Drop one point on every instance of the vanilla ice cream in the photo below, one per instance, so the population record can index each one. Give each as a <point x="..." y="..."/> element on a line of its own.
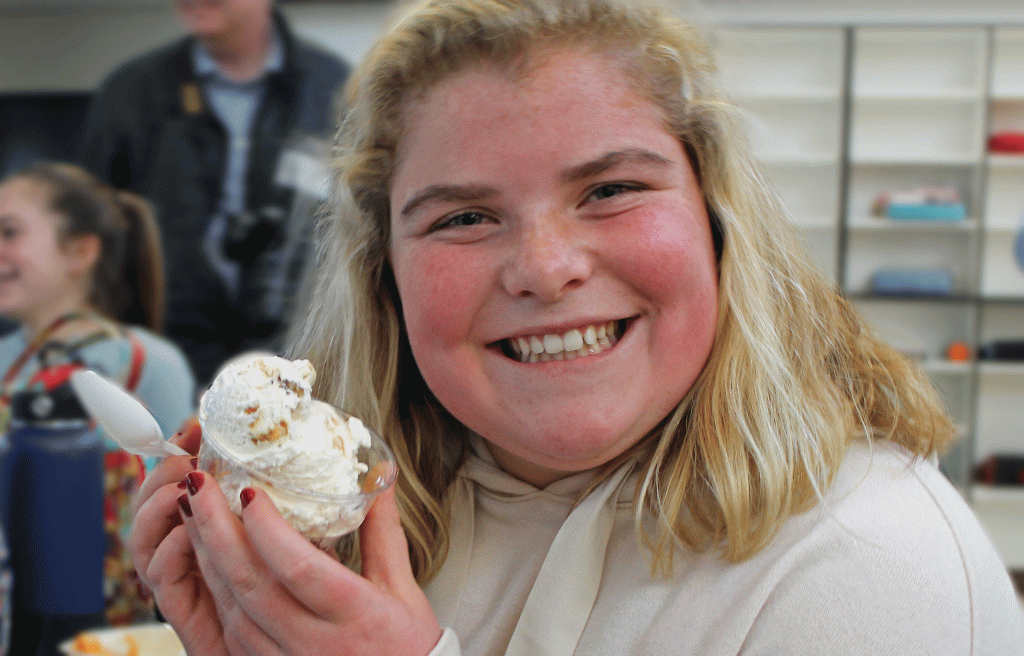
<point x="260" y="413"/>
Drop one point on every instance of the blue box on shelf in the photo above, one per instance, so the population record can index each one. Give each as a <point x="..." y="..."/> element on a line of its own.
<point x="912" y="282"/>
<point x="926" y="211"/>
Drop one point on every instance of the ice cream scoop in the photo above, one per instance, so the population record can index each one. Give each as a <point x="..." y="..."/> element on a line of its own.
<point x="262" y="427"/>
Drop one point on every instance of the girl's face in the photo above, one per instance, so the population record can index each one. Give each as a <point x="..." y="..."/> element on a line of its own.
<point x="36" y="272"/>
<point x="551" y="213"/>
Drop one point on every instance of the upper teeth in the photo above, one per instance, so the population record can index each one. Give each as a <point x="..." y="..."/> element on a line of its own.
<point x="575" y="343"/>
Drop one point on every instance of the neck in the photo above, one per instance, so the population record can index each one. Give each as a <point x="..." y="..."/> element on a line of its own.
<point x="240" y="54"/>
<point x="44" y="320"/>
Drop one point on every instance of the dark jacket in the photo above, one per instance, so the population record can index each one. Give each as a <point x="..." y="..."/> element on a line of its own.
<point x="151" y="130"/>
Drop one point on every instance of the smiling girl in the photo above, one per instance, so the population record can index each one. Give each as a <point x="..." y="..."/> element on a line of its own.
<point x="80" y="271"/>
<point x="631" y="417"/>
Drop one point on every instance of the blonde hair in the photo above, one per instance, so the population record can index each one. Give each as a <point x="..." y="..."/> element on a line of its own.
<point x="794" y="375"/>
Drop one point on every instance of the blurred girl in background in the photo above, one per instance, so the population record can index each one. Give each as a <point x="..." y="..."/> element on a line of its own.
<point x="81" y="270"/>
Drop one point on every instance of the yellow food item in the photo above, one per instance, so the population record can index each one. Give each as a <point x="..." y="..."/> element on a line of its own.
<point x="90" y="644"/>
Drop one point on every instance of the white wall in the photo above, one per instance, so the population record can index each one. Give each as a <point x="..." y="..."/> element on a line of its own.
<point x="861" y="11"/>
<point x="75" y="48"/>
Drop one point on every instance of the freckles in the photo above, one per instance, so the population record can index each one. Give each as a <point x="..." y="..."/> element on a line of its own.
<point x="669" y="258"/>
<point x="436" y="288"/>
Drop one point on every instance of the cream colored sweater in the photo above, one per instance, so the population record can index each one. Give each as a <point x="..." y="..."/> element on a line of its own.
<point x="893" y="563"/>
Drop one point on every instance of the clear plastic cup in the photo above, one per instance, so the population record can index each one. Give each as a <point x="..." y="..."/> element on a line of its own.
<point x="321" y="517"/>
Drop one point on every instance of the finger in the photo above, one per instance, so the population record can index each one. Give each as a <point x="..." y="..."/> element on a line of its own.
<point x="182" y="595"/>
<point x="383" y="545"/>
<point x="314" y="578"/>
<point x="213" y="513"/>
<point x="155" y="519"/>
<point x="189" y="435"/>
<point x="172" y="468"/>
<point x="241" y="634"/>
<point x="172" y="560"/>
<point x="249" y="600"/>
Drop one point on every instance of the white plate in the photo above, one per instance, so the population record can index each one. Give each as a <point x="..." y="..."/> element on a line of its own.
<point x="152" y="639"/>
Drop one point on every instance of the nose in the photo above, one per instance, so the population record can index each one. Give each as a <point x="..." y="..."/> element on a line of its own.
<point x="550" y="258"/>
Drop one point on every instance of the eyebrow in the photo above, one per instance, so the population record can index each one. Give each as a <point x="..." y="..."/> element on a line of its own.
<point x="610" y="161"/>
<point x="448" y="193"/>
<point x="470" y="193"/>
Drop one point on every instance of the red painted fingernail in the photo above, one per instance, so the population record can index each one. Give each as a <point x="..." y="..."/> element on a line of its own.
<point x="246" y="495"/>
<point x="185" y="506"/>
<point x="195" y="463"/>
<point x="194" y="481"/>
<point x="182" y="484"/>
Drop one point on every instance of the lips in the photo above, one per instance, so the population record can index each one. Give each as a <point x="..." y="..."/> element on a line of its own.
<point x="589" y="339"/>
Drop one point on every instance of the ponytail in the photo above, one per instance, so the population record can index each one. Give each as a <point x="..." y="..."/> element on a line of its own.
<point x="142" y="277"/>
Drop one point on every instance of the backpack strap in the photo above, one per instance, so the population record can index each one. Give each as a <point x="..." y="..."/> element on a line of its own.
<point x="138" y="358"/>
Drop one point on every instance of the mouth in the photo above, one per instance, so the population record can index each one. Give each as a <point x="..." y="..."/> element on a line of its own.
<point x="590" y="339"/>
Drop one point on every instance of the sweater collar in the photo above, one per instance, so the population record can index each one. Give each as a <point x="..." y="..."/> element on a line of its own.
<point x="481" y="468"/>
<point x="576" y="555"/>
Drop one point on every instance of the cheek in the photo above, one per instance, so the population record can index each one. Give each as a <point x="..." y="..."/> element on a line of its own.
<point x="436" y="291"/>
<point x="672" y="258"/>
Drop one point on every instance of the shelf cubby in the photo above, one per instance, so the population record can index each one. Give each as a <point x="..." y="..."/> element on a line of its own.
<point x="792" y="103"/>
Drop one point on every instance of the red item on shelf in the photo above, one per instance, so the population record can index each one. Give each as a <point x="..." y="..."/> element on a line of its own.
<point x="1006" y="142"/>
<point x="958" y="351"/>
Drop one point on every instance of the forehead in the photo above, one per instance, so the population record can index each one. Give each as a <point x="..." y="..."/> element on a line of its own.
<point x="549" y="85"/>
<point x="236" y="5"/>
<point x="25" y="192"/>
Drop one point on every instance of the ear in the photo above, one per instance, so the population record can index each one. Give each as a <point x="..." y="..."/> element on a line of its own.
<point x="83" y="252"/>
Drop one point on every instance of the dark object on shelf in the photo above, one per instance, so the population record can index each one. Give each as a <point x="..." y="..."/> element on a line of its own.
<point x="1017" y="576"/>
<point x="1000" y="469"/>
<point x="912" y="282"/>
<point x="1012" y="350"/>
<point x="1006" y="142"/>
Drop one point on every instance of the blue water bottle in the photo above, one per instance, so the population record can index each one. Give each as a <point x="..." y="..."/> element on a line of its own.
<point x="6" y="596"/>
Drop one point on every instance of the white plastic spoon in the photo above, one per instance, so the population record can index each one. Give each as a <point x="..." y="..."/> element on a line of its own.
<point x="122" y="416"/>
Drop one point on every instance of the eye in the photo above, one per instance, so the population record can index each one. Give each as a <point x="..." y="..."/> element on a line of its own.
<point x="461" y="220"/>
<point x="611" y="189"/>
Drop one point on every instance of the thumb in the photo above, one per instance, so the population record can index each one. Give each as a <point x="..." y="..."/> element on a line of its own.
<point x="382" y="544"/>
<point x="189" y="435"/>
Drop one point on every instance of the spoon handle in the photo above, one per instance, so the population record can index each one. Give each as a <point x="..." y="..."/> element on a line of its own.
<point x="172" y="449"/>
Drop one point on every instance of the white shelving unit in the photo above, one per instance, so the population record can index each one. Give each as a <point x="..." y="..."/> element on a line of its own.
<point x="842" y="113"/>
<point x="917" y="119"/>
<point x="792" y="101"/>
<point x="1001" y="277"/>
<point x="1000" y="385"/>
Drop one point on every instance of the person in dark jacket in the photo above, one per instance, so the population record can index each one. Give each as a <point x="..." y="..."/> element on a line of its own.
<point x="221" y="130"/>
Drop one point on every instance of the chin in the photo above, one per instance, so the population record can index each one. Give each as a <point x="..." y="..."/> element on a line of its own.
<point x="203" y="22"/>
<point x="577" y="448"/>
